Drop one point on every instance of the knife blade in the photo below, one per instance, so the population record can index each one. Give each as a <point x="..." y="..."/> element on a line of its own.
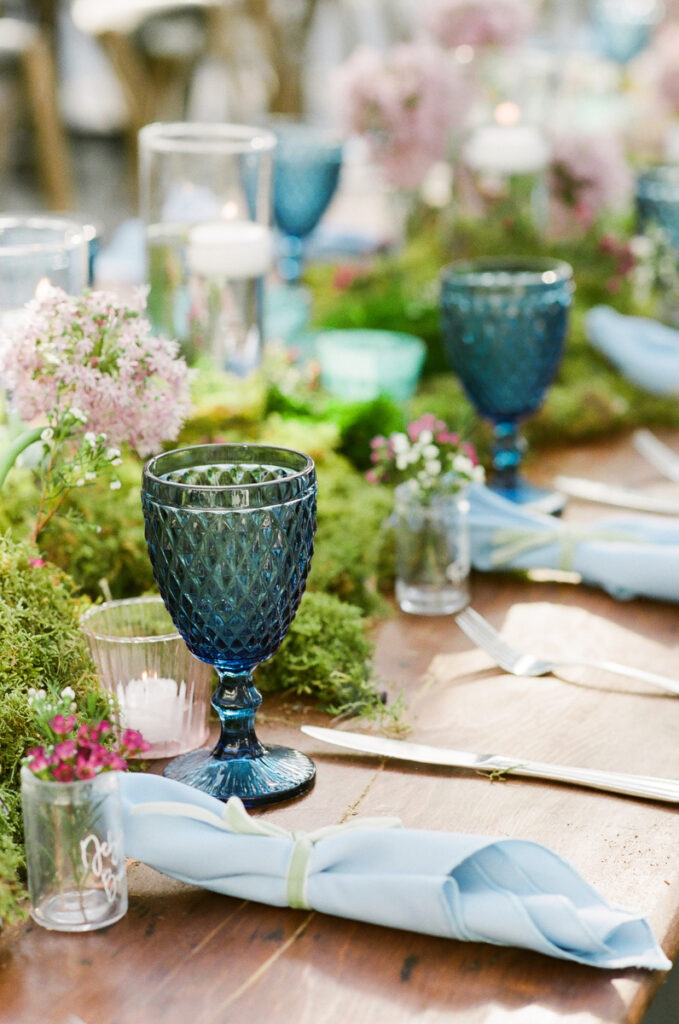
<point x="643" y="786"/>
<point x="605" y="494"/>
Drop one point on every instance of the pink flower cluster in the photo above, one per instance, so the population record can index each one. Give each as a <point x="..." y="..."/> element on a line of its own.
<point x="78" y="751"/>
<point x="96" y="355"/>
<point x="404" y="103"/>
<point x="478" y="23"/>
<point x="425" y="453"/>
<point x="588" y="175"/>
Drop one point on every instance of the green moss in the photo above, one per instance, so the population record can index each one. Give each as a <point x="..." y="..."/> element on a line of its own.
<point x="326" y="656"/>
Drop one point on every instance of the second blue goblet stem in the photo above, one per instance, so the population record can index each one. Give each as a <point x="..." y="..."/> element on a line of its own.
<point x="507" y="450"/>
<point x="236" y="700"/>
<point x="291" y="259"/>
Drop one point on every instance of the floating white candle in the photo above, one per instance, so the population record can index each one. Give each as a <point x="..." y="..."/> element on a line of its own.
<point x="230" y="249"/>
<point x="506" y="149"/>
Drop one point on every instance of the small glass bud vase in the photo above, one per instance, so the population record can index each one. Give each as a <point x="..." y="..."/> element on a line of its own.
<point x="74" y="851"/>
<point x="432" y="549"/>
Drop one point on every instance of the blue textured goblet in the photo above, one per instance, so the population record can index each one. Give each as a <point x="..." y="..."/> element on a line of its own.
<point x="623" y="27"/>
<point x="230" y="533"/>
<point x="657" y="196"/>
<point x="504" y="324"/>
<point x="307" y="162"/>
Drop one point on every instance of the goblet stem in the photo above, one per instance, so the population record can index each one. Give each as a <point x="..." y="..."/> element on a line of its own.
<point x="508" y="451"/>
<point x="236" y="700"/>
<point x="291" y="260"/>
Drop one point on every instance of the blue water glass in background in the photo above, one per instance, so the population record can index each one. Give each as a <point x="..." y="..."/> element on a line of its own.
<point x="230" y="533"/>
<point x="307" y="163"/>
<point x="504" y="324"/>
<point x="657" y="197"/>
<point x="622" y="28"/>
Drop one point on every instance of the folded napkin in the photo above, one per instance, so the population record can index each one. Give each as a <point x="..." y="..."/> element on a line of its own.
<point x="626" y="557"/>
<point x="645" y="351"/>
<point x="504" y="891"/>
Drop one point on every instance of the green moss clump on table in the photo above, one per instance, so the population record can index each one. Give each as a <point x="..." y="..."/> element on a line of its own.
<point x="41" y="645"/>
<point x="327" y="656"/>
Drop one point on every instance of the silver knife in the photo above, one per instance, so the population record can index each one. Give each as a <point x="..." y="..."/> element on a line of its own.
<point x="605" y="494"/>
<point x="645" y="786"/>
<point x="657" y="453"/>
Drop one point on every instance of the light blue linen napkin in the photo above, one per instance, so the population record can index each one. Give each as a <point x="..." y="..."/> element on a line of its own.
<point x="645" y="351"/>
<point x="624" y="556"/>
<point x="503" y="891"/>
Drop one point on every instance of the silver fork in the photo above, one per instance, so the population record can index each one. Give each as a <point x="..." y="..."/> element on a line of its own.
<point x="480" y="632"/>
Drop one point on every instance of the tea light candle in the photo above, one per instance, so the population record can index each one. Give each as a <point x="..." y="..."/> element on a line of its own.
<point x="506" y="149"/>
<point x="230" y="249"/>
<point x="153" y="705"/>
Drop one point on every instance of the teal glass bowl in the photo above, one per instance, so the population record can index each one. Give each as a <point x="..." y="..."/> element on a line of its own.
<point x="361" y="364"/>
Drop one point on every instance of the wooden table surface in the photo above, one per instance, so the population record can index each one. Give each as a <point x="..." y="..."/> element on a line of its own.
<point x="186" y="956"/>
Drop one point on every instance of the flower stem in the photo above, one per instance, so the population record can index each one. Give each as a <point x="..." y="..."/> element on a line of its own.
<point x="10" y="455"/>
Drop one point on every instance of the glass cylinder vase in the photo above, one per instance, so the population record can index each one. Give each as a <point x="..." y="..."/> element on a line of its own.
<point x="74" y="852"/>
<point x="205" y="192"/>
<point x="432" y="550"/>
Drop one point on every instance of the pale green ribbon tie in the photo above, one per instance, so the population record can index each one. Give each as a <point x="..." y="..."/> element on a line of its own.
<point x="509" y="544"/>
<point x="235" y="818"/>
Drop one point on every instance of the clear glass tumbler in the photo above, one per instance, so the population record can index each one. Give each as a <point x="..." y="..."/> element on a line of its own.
<point x="432" y="551"/>
<point x="36" y="248"/>
<point x="657" y="198"/>
<point x="162" y="690"/>
<point x="74" y="852"/>
<point x="205" y="192"/>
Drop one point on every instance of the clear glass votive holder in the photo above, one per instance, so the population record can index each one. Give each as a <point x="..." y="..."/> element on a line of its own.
<point x="657" y="198"/>
<point x="162" y="690"/>
<point x="205" y="196"/>
<point x="432" y="550"/>
<point x="36" y="248"/>
<point x="75" y="857"/>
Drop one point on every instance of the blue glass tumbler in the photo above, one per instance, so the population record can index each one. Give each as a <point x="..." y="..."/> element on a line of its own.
<point x="657" y="196"/>
<point x="623" y="28"/>
<point x="230" y="533"/>
<point x="307" y="163"/>
<point x="504" y="324"/>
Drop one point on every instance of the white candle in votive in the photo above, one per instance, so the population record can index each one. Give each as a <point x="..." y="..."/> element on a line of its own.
<point x="154" y="706"/>
<point x="506" y="149"/>
<point x="230" y="249"/>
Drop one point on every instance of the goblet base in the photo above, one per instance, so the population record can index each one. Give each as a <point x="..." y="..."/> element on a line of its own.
<point x="279" y="774"/>
<point x="535" y="499"/>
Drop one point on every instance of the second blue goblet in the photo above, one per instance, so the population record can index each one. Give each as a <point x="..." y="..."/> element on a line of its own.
<point x="230" y="532"/>
<point x="504" y="327"/>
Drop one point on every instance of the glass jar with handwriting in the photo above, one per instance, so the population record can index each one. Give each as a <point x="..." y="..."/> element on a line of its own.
<point x="75" y="856"/>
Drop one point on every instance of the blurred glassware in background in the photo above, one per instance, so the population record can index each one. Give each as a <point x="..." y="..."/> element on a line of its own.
<point x="307" y="164"/>
<point x="161" y="689"/>
<point x="205" y="200"/>
<point x="359" y="365"/>
<point x="657" y="199"/>
<point x="504" y="323"/>
<point x="623" y="28"/>
<point x="39" y="248"/>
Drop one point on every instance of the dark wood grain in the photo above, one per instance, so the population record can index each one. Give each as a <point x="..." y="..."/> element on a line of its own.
<point x="184" y="955"/>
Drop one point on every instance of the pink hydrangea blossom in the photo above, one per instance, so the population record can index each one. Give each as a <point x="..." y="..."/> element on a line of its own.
<point x="96" y="355"/>
<point x="588" y="175"/>
<point x="404" y="103"/>
<point x="478" y="23"/>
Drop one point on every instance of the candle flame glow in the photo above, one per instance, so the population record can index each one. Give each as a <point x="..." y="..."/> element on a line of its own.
<point x="507" y="113"/>
<point x="230" y="210"/>
<point x="42" y="289"/>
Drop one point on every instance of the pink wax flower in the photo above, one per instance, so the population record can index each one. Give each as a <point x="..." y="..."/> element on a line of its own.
<point x="66" y="750"/>
<point x="405" y="103"/>
<point x="134" y="742"/>
<point x="61" y="725"/>
<point x="588" y="176"/>
<point x="95" y="356"/>
<point x="37" y="563"/>
<point x="63" y="772"/>
<point x="427" y="454"/>
<point x="478" y="23"/>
